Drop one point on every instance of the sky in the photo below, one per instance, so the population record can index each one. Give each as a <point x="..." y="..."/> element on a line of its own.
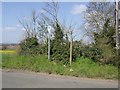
<point x="0" y="22"/>
<point x="12" y="12"/>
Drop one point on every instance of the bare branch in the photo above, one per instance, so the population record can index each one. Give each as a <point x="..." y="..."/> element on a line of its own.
<point x="30" y="25"/>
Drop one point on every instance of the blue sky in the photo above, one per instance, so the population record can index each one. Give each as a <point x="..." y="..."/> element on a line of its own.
<point x="12" y="31"/>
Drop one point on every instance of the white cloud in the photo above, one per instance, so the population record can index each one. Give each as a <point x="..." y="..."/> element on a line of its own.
<point x="10" y="28"/>
<point x="12" y="34"/>
<point x="26" y="18"/>
<point x="18" y="25"/>
<point x="42" y="11"/>
<point x="13" y="28"/>
<point x="78" y="9"/>
<point x="23" y="29"/>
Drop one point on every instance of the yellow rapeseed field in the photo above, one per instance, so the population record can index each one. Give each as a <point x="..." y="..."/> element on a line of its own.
<point x="7" y="51"/>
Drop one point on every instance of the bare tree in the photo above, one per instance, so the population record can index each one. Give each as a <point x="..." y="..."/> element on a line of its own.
<point x="29" y="24"/>
<point x="47" y="18"/>
<point x="51" y="12"/>
<point x="42" y="30"/>
<point x="34" y="21"/>
<point x="26" y="27"/>
<point x="97" y="14"/>
<point x="69" y="30"/>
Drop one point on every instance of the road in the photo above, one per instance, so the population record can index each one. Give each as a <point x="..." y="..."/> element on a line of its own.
<point x="22" y="79"/>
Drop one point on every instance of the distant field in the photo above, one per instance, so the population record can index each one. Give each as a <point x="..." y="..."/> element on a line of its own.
<point x="7" y="51"/>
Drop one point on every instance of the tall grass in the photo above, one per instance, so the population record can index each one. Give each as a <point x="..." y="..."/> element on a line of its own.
<point x="83" y="67"/>
<point x="0" y="60"/>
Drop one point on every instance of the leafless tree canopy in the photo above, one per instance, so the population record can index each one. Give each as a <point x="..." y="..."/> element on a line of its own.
<point x="96" y="16"/>
<point x="38" y="23"/>
<point x="51" y="12"/>
<point x="29" y="24"/>
<point x="47" y="18"/>
<point x="98" y="13"/>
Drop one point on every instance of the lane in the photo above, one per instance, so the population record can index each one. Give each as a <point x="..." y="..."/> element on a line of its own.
<point x="17" y="79"/>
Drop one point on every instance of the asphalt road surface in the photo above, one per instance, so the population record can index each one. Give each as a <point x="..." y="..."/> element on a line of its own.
<point x="22" y="79"/>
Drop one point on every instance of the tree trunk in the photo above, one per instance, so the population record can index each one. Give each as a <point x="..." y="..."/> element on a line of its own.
<point x="71" y="51"/>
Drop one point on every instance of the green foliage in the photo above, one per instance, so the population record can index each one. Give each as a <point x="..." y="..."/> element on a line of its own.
<point x="103" y="29"/>
<point x="106" y="43"/>
<point x="58" y="33"/>
<point x="76" y="49"/>
<point x="91" y="52"/>
<point x="87" y="68"/>
<point x="102" y="50"/>
<point x="83" y="67"/>
<point x="29" y="46"/>
<point x="42" y="49"/>
<point x="59" y="48"/>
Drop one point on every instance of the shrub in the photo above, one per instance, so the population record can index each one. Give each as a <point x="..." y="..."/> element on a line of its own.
<point x="91" y="52"/>
<point x="4" y="47"/>
<point x="59" y="47"/>
<point x="29" y="46"/>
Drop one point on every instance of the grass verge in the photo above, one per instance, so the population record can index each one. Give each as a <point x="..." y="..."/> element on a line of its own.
<point x="83" y="67"/>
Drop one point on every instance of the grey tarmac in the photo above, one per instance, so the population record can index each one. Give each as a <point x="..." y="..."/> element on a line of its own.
<point x="23" y="79"/>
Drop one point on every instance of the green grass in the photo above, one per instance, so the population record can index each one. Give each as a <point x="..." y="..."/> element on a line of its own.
<point x="0" y="60"/>
<point x="83" y="67"/>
